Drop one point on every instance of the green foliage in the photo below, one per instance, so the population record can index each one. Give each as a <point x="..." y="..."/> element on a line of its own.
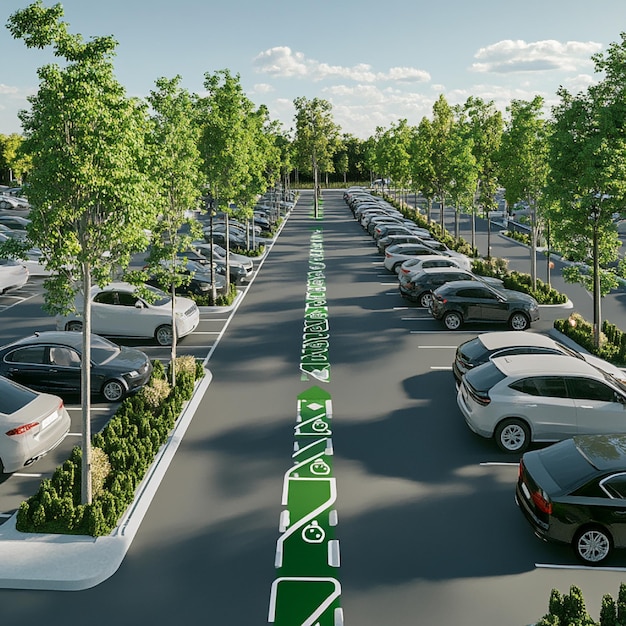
<point x="612" y="346"/>
<point x="121" y="454"/>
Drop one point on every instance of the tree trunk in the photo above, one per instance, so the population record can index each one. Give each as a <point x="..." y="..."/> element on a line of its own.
<point x="85" y="389"/>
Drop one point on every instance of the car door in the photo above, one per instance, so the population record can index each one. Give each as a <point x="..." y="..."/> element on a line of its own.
<point x="28" y="366"/>
<point x="105" y="319"/>
<point x="492" y="308"/>
<point x="600" y="408"/>
<point x="613" y="512"/>
<point x="63" y="370"/>
<point x="545" y="403"/>
<point x="470" y="301"/>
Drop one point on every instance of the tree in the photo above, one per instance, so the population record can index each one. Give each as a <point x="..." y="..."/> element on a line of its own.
<point x="175" y="167"/>
<point x="421" y="165"/>
<point x="523" y="162"/>
<point x="587" y="155"/>
<point x="228" y="131"/>
<point x="484" y="126"/>
<point x="316" y="138"/>
<point x="441" y="150"/>
<point x="12" y="159"/>
<point x="90" y="195"/>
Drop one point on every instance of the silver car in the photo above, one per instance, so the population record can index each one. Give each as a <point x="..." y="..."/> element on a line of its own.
<point x="520" y="399"/>
<point x="31" y="425"/>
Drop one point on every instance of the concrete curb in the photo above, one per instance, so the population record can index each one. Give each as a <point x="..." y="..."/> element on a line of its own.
<point x="76" y="562"/>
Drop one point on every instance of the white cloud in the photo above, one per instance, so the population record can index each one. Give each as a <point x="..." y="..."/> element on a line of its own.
<point x="262" y="88"/>
<point x="510" y="56"/>
<point x="281" y="61"/>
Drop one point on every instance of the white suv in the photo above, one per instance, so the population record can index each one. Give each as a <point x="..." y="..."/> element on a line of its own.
<point x="542" y="398"/>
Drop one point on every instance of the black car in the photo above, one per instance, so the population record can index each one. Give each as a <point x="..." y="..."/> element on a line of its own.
<point x="463" y="301"/>
<point x="198" y="279"/>
<point x="418" y="287"/>
<point x="51" y="362"/>
<point x="574" y="492"/>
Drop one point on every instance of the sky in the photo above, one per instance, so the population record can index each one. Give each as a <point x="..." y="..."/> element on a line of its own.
<point x="375" y="62"/>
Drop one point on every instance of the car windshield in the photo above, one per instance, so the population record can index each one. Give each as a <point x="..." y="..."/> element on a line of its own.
<point x="14" y="397"/>
<point x="102" y="349"/>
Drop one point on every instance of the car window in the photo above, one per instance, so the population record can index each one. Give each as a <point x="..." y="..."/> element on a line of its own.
<point x="64" y="357"/>
<point x="104" y="297"/>
<point x="125" y="298"/>
<point x="589" y="389"/>
<point x="14" y="397"/>
<point x="484" y="377"/>
<point x="615" y="486"/>
<point x="472" y="292"/>
<point x="546" y="386"/>
<point x="33" y="355"/>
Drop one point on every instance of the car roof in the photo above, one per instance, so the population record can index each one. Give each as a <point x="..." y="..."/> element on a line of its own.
<point x="504" y="339"/>
<point x="605" y="452"/>
<point x="444" y="270"/>
<point x="548" y="364"/>
<point x="63" y="337"/>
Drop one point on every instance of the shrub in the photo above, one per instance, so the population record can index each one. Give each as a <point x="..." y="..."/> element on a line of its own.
<point x="121" y="454"/>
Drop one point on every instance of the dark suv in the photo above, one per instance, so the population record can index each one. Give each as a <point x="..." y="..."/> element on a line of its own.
<point x="471" y="301"/>
<point x="419" y="286"/>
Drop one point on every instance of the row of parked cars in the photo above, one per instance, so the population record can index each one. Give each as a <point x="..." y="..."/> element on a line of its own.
<point x="38" y="371"/>
<point x="433" y="275"/>
<point x="523" y="389"/>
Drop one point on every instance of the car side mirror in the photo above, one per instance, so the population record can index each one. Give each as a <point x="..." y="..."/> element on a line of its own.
<point x="138" y="304"/>
<point x="621" y="399"/>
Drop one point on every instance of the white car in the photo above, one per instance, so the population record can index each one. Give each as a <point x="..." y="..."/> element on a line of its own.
<point x="13" y="275"/>
<point x="31" y="425"/>
<point x="397" y="254"/>
<point x="11" y="203"/>
<point x="118" y="311"/>
<point x="462" y="259"/>
<point x="521" y="399"/>
<point x="419" y="263"/>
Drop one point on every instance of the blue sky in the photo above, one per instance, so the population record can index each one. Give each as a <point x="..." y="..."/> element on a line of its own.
<point x="376" y="62"/>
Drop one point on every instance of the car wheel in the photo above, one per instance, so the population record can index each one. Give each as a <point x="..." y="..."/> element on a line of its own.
<point x="113" y="390"/>
<point x="519" y="321"/>
<point x="396" y="268"/>
<point x="426" y="299"/>
<point x="74" y="326"/>
<point x="452" y="320"/>
<point x="163" y="335"/>
<point x="592" y="545"/>
<point x="512" y="435"/>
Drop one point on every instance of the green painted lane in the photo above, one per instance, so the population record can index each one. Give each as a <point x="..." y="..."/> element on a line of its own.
<point x="306" y="590"/>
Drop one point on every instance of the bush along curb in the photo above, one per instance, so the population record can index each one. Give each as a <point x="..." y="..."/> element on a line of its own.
<point x="122" y="453"/>
<point x="612" y="339"/>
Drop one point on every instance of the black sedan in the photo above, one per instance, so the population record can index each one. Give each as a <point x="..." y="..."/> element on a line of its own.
<point x="51" y="362"/>
<point x="574" y="492"/>
<point x="468" y="301"/>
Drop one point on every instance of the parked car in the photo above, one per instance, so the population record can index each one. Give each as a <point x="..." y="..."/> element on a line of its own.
<point x="418" y="263"/>
<point x="198" y="279"/>
<point x="419" y="286"/>
<point x="521" y="399"/>
<point x="51" y="362"/>
<point x="15" y="222"/>
<point x="241" y="265"/>
<point x="117" y="310"/>
<point x="574" y="492"/>
<point x="12" y="233"/>
<point x="11" y="203"/>
<point x="462" y="259"/>
<point x="400" y="229"/>
<point x="458" y="302"/>
<point x="32" y="424"/>
<point x="396" y="254"/>
<point x="392" y="240"/>
<point x="479" y="350"/>
<point x="13" y="275"/>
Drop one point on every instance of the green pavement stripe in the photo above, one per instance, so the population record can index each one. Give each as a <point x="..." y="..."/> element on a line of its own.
<point x="306" y="590"/>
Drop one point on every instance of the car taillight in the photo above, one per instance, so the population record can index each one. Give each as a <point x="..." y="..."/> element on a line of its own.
<point x="388" y="254"/>
<point x="20" y="430"/>
<point x="542" y="501"/>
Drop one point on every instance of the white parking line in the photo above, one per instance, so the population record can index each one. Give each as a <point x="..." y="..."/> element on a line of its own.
<point x="441" y="367"/>
<point x="438" y="347"/>
<point x="23" y="475"/>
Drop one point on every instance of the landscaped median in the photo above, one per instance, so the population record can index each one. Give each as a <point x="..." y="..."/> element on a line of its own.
<point x="56" y="543"/>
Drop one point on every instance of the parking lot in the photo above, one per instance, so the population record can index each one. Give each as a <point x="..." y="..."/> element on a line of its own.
<point x="21" y="314"/>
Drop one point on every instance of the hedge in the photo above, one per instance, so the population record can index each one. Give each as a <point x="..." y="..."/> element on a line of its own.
<point x="612" y="339"/>
<point x="121" y="455"/>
